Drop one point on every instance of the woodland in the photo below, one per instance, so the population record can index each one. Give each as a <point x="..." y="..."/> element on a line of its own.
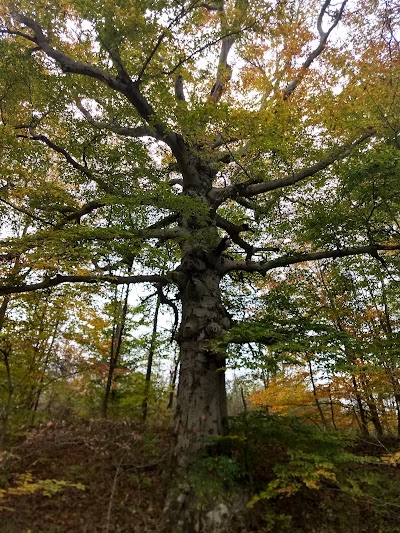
<point x="199" y="266"/>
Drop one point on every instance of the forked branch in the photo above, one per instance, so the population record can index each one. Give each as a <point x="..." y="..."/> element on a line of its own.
<point x="124" y="86"/>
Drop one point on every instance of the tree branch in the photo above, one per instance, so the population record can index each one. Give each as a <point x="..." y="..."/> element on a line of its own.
<point x="73" y="162"/>
<point x="170" y="219"/>
<point x="124" y="86"/>
<point x="262" y="267"/>
<point x="138" y="131"/>
<point x="233" y="230"/>
<point x="18" y="34"/>
<point x="224" y="71"/>
<point x="251" y="188"/>
<point x="151" y="55"/>
<point x="26" y="212"/>
<point x="59" y="279"/>
<point x="84" y="234"/>
<point x="183" y="11"/>
<point x="291" y="87"/>
<point x="189" y="56"/>
<point x="79" y="213"/>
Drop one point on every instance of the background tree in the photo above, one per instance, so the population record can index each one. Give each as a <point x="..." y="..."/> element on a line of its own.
<point x="333" y="330"/>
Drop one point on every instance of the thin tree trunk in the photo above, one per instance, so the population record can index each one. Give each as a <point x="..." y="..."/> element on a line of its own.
<point x="371" y="403"/>
<point x="397" y="401"/>
<point x="331" y="407"/>
<point x="357" y="419"/>
<point x="172" y="383"/>
<point x="115" y="350"/>
<point x="374" y="415"/>
<point x="361" y="410"/>
<point x="6" y="410"/>
<point x="150" y="358"/>
<point x="316" y="399"/>
<point x="3" y="309"/>
<point x="44" y="367"/>
<point x="243" y="400"/>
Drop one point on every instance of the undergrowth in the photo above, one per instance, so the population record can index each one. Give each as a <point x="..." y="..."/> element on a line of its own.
<point x="107" y="476"/>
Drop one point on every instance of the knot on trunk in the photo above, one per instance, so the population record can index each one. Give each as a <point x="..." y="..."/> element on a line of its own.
<point x="213" y="330"/>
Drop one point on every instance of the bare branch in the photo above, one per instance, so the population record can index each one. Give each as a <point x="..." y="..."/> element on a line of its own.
<point x="291" y="87"/>
<point x="262" y="267"/>
<point x="59" y="279"/>
<point x="234" y="231"/>
<point x="224" y="71"/>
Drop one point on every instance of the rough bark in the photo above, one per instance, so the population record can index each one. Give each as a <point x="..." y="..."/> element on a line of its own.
<point x="201" y="399"/>
<point x="201" y="411"/>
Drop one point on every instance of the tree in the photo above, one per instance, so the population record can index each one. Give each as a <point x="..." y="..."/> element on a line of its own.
<point x="198" y="141"/>
<point x="39" y="350"/>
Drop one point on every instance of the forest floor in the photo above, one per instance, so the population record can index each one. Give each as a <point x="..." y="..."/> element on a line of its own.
<point x="113" y="474"/>
<point x="106" y="476"/>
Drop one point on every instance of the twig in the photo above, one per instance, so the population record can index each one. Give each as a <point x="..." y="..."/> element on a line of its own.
<point x="111" y="499"/>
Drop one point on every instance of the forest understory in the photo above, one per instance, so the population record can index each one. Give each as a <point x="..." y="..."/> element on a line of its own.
<point x="111" y="476"/>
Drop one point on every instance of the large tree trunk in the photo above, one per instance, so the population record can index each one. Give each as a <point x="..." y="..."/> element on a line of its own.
<point x="201" y="406"/>
<point x="201" y="410"/>
<point x="201" y="400"/>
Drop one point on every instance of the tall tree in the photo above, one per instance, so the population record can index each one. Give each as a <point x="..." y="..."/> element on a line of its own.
<point x="198" y="140"/>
